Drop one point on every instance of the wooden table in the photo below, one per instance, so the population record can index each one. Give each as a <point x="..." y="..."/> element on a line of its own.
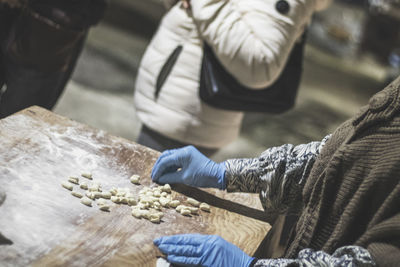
<point x="44" y="225"/>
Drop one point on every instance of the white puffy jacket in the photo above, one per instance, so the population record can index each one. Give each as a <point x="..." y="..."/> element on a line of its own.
<point x="250" y="38"/>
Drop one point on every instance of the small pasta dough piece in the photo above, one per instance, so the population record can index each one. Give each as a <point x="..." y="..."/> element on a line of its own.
<point x="142" y="205"/>
<point x="146" y="214"/>
<point x="95" y="187"/>
<point x="76" y="194"/>
<point x="132" y="201"/>
<point x="180" y="207"/>
<point x="185" y="212"/>
<point x="121" y="192"/>
<point x="164" y="201"/>
<point x="137" y="213"/>
<point x="67" y="185"/>
<point x="193" y="210"/>
<point x="205" y="207"/>
<point x="103" y="205"/>
<point x="86" y="201"/>
<point x="84" y="186"/>
<point x="115" y="199"/>
<point x="144" y="190"/>
<point x="174" y="203"/>
<point x="156" y="205"/>
<point x="193" y="202"/>
<point x="157" y="193"/>
<point x="158" y="213"/>
<point x="113" y="191"/>
<point x="166" y="188"/>
<point x="164" y="194"/>
<point x="135" y="179"/>
<point x="106" y="195"/>
<point x="150" y="199"/>
<point x="74" y="180"/>
<point x="154" y="218"/>
<point x="123" y="200"/>
<point x="91" y="195"/>
<point x="101" y="202"/>
<point x="87" y="175"/>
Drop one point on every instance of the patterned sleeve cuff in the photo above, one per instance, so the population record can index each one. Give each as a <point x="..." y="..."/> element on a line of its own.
<point x="253" y="262"/>
<point x="241" y="175"/>
<point x="343" y="256"/>
<point x="278" y="175"/>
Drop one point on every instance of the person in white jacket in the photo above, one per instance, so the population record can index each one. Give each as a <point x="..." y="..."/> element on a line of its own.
<point x="251" y="38"/>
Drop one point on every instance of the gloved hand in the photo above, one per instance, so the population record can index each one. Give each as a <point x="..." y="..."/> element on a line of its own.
<point x="188" y="166"/>
<point x="202" y="250"/>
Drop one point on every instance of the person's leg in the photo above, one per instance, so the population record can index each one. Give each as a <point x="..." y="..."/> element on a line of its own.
<point x="154" y="140"/>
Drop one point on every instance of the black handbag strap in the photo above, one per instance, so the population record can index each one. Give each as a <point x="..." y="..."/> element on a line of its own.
<point x="220" y="89"/>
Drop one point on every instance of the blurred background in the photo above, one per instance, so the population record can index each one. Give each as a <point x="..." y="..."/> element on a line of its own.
<point x="353" y="51"/>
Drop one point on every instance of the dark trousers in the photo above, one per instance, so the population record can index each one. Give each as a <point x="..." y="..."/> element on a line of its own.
<point x="39" y="50"/>
<point x="154" y="140"/>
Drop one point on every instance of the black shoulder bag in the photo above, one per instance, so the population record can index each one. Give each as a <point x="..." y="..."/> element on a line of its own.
<point x="220" y="89"/>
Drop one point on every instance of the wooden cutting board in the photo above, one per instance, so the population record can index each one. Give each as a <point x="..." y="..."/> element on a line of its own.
<point x="49" y="227"/>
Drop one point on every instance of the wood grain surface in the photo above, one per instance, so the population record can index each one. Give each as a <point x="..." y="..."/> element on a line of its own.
<point x="42" y="224"/>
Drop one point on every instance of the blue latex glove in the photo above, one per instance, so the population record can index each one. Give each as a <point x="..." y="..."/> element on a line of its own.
<point x="202" y="250"/>
<point x="188" y="166"/>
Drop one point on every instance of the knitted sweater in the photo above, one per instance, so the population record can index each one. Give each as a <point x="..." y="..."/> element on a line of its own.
<point x="349" y="197"/>
<point x="352" y="195"/>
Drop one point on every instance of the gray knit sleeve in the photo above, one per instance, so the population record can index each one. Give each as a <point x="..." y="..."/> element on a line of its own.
<point x="347" y="256"/>
<point x="278" y="175"/>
